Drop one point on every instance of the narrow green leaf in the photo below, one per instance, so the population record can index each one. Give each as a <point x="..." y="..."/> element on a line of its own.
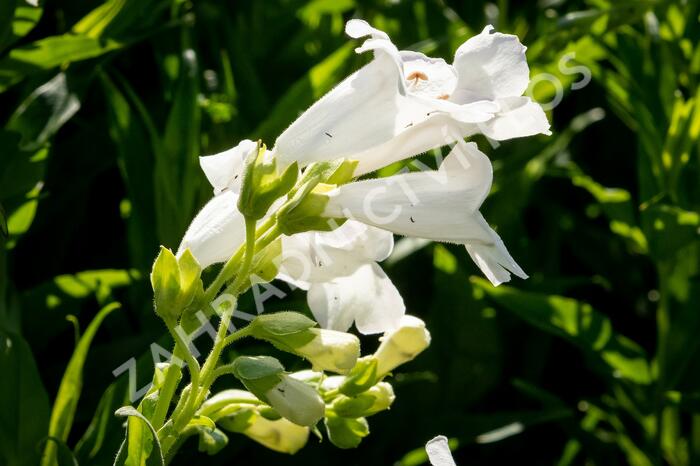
<point x="130" y="411"/>
<point x="71" y="386"/>
<point x="24" y="404"/>
<point x="578" y="323"/>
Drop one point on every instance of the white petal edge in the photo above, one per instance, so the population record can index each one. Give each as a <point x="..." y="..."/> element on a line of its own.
<point x="438" y="451"/>
<point x="216" y="231"/>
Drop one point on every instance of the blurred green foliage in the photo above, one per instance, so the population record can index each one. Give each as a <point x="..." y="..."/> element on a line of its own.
<point x="105" y="107"/>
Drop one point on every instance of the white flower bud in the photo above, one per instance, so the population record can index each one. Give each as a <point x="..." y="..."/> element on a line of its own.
<point x="330" y="350"/>
<point x="296" y="401"/>
<point x="402" y="345"/>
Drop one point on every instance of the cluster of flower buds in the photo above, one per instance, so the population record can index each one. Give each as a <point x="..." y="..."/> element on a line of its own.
<point x="280" y="409"/>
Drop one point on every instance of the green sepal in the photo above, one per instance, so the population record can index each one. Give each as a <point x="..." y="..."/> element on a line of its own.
<point x="361" y="378"/>
<point x="165" y="279"/>
<point x="259" y="374"/>
<point x="266" y="263"/>
<point x="176" y="283"/>
<point x="378" y="398"/>
<point x="211" y="441"/>
<point x="280" y="324"/>
<point x="335" y="172"/>
<point x="262" y="185"/>
<point x="304" y="212"/>
<point x="345" y="432"/>
<point x="353" y="407"/>
<point x="190" y="278"/>
<point x="285" y="330"/>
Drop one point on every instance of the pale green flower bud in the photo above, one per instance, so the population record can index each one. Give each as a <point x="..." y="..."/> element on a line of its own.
<point x="401" y="345"/>
<point x="296" y="401"/>
<point x="280" y="435"/>
<point x="327" y="350"/>
<point x="330" y="350"/>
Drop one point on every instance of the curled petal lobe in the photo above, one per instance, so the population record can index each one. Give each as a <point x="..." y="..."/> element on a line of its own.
<point x="493" y="258"/>
<point x="490" y="66"/>
<point x="517" y="117"/>
<point x="439" y="452"/>
<point x="224" y="170"/>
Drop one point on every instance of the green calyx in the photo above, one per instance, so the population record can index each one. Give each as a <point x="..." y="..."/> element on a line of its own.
<point x="307" y="201"/>
<point x="175" y="283"/>
<point x="262" y="185"/>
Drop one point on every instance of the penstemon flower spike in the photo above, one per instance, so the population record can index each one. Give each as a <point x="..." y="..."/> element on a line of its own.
<point x="298" y="213"/>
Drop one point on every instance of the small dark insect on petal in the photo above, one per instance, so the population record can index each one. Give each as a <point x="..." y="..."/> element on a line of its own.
<point x="328" y="134"/>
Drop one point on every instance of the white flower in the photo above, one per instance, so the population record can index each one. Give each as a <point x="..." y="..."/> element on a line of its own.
<point x="439" y="452"/>
<point x="399" y="105"/>
<point x="401" y="345"/>
<point x="440" y="205"/>
<point x="344" y="282"/>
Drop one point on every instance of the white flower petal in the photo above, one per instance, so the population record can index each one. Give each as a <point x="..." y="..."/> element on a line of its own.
<point x="439" y="452"/>
<point x="518" y="117"/>
<point x="357" y="28"/>
<point x="224" y="170"/>
<point x="216" y="232"/>
<point x="493" y="259"/>
<point x="362" y="240"/>
<point x="490" y="66"/>
<point x="437" y="205"/>
<point x="362" y="118"/>
<point x="367" y="297"/>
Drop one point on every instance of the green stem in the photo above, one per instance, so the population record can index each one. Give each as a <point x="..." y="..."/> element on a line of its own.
<point x="229" y="269"/>
<point x="167" y="391"/>
<point x="200" y="389"/>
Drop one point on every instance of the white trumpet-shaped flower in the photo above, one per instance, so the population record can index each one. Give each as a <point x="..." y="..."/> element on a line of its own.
<point x="440" y="205"/>
<point x="338" y="269"/>
<point x="344" y="282"/>
<point x="400" y="104"/>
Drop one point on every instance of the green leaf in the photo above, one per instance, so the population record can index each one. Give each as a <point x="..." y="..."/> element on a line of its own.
<point x="94" y="436"/>
<point x="48" y="108"/>
<point x="7" y="12"/>
<point x="49" y="53"/>
<point x="24" y="404"/>
<point x="24" y="19"/>
<point x="345" y="432"/>
<point x="578" y="323"/>
<point x="177" y="177"/>
<point x="136" y="449"/>
<point x="71" y="387"/>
